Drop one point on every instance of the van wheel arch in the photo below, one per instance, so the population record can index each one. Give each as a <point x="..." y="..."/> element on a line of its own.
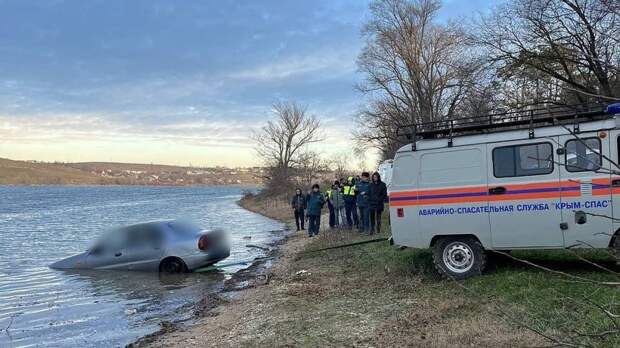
<point x="615" y="239"/>
<point x="439" y="236"/>
<point x="172" y="264"/>
<point x="614" y="245"/>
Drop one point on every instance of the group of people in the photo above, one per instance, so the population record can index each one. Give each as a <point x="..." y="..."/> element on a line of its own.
<point x="357" y="202"/>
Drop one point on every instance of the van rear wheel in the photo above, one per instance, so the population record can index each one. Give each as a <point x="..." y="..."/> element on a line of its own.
<point x="459" y="257"/>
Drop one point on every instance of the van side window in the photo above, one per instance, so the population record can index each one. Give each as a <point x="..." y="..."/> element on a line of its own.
<point x="583" y="155"/>
<point x="522" y="160"/>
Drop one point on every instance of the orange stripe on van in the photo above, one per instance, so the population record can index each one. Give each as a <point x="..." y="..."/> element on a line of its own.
<point x="546" y="190"/>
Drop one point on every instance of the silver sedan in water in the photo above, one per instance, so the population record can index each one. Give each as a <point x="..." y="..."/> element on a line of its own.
<point x="166" y="246"/>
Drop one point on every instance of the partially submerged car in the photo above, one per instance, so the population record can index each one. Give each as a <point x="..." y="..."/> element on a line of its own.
<point x="163" y="246"/>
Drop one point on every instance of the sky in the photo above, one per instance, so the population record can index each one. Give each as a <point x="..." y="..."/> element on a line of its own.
<point x="176" y="82"/>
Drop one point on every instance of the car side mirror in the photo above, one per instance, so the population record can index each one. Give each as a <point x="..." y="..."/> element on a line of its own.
<point x="581" y="217"/>
<point x="96" y="250"/>
<point x="560" y="151"/>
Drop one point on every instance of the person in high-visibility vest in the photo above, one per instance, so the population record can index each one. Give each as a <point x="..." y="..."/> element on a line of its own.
<point x="330" y="206"/>
<point x="348" y="191"/>
<point x="334" y="203"/>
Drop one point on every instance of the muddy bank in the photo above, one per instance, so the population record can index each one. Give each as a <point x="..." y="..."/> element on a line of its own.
<point x="243" y="280"/>
<point x="369" y="295"/>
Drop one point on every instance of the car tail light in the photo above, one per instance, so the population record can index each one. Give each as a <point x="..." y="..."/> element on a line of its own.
<point x="203" y="242"/>
<point x="400" y="212"/>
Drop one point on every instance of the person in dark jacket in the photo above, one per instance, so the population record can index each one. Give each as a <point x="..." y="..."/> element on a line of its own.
<point x="315" y="202"/>
<point x="330" y="205"/>
<point x="376" y="199"/>
<point x="362" y="189"/>
<point x="298" y="203"/>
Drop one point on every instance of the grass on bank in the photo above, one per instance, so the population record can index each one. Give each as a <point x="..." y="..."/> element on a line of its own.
<point x="375" y="294"/>
<point x="568" y="311"/>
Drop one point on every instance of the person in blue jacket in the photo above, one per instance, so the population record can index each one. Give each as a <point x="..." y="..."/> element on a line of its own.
<point x="314" y="203"/>
<point x="362" y="189"/>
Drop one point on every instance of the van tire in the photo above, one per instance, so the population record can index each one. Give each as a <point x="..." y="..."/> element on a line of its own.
<point x="459" y="257"/>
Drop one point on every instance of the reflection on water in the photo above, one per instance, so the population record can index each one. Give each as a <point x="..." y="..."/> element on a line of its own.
<point x="39" y="225"/>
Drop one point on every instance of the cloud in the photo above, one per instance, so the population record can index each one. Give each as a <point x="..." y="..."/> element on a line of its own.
<point x="328" y="63"/>
<point x="86" y="128"/>
<point x="179" y="74"/>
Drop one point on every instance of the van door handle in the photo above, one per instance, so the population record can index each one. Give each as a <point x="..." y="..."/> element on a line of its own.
<point x="118" y="254"/>
<point x="615" y="183"/>
<point x="499" y="190"/>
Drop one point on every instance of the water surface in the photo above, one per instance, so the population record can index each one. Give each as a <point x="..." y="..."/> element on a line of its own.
<point x="51" y="308"/>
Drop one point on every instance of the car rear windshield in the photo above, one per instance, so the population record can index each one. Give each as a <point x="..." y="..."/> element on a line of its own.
<point x="184" y="227"/>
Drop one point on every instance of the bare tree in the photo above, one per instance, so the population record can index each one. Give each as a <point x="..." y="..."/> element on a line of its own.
<point x="568" y="43"/>
<point x="280" y="142"/>
<point x="310" y="167"/>
<point x="341" y="164"/>
<point x="416" y="70"/>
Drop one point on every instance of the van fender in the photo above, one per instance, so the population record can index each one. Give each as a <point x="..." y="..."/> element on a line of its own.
<point x="615" y="239"/>
<point x="486" y="244"/>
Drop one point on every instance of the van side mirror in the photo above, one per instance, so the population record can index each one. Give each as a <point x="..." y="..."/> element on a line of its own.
<point x="560" y="151"/>
<point x="581" y="217"/>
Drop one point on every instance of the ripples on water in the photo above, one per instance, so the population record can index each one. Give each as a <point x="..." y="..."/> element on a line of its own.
<point x="40" y="225"/>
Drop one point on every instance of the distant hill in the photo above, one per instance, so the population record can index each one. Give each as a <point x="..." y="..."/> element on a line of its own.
<point x="103" y="173"/>
<point x="28" y="173"/>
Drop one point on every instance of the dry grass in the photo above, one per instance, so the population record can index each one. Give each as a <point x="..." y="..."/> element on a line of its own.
<point x="374" y="295"/>
<point x="349" y="297"/>
<point x="278" y="207"/>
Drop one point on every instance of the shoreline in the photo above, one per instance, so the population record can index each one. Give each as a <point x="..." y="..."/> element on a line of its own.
<point x="369" y="295"/>
<point x="127" y="185"/>
<point x="239" y="284"/>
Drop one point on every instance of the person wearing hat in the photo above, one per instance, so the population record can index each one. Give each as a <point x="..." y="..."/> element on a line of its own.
<point x="314" y="202"/>
<point x="350" y="207"/>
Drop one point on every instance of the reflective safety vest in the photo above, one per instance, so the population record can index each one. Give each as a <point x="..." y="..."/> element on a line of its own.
<point x="329" y="193"/>
<point x="348" y="190"/>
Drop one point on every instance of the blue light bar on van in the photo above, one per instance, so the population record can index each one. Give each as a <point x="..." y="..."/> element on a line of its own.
<point x="613" y="108"/>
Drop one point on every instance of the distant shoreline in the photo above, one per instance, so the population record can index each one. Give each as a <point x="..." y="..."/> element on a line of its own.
<point x="30" y="173"/>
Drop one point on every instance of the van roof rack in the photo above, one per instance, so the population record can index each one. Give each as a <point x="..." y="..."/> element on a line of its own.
<point x="519" y="119"/>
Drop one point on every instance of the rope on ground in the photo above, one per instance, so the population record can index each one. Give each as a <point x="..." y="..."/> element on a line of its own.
<point x="348" y="245"/>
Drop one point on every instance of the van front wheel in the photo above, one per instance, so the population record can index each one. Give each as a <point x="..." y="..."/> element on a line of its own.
<point x="459" y="257"/>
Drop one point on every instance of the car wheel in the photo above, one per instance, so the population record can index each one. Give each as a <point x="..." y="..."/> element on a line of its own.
<point x="459" y="257"/>
<point x="172" y="265"/>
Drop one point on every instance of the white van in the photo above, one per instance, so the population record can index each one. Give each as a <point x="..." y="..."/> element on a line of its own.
<point x="385" y="170"/>
<point x="541" y="180"/>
